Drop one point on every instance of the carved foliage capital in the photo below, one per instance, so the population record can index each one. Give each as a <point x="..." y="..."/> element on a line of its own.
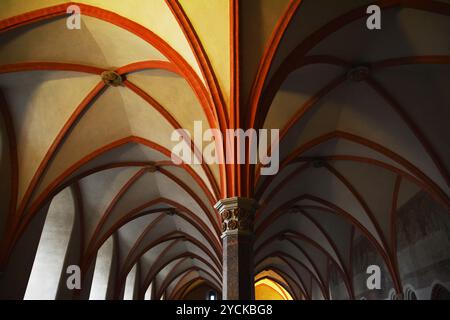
<point x="237" y="219"/>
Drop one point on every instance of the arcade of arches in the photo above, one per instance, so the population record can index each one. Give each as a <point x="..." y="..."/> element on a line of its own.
<point x="87" y="179"/>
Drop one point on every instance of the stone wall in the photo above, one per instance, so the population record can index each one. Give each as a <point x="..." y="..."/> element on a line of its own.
<point x="423" y="242"/>
<point x="423" y="252"/>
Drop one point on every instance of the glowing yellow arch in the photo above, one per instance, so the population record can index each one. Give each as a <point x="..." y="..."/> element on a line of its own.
<point x="266" y="289"/>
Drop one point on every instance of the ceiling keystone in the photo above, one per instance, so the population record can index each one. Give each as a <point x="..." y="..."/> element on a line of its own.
<point x="111" y="78"/>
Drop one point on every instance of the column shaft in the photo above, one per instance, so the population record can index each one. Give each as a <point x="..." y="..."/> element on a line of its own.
<point x="237" y="238"/>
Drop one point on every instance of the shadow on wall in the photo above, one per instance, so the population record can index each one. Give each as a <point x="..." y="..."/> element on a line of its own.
<point x="440" y="293"/>
<point x="423" y="253"/>
<point x="201" y="292"/>
<point x="423" y="242"/>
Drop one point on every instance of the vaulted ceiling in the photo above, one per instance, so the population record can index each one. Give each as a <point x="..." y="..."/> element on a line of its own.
<point x="363" y="118"/>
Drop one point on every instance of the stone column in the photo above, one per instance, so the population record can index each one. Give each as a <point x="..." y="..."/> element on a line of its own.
<point x="237" y="238"/>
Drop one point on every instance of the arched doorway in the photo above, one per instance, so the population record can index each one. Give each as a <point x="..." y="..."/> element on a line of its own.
<point x="269" y="285"/>
<point x="439" y="292"/>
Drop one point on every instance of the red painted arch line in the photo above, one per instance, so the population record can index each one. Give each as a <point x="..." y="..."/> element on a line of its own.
<point x="202" y="59"/>
<point x="285" y="257"/>
<point x="298" y="58"/>
<point x="173" y="276"/>
<point x="264" y="66"/>
<point x="158" y="264"/>
<point x="133" y="257"/>
<point x="210" y="100"/>
<point x="130" y="183"/>
<point x="176" y="292"/>
<point x="299" y="52"/>
<point x="421" y="178"/>
<point x="334" y="209"/>
<point x="375" y="66"/>
<point x="141" y="210"/>
<point x="131" y="26"/>
<point x="179" y="288"/>
<point x="340" y="266"/>
<point x="151" y="276"/>
<point x="341" y="157"/>
<point x="88" y="100"/>
<point x="57" y="185"/>
<point x="177" y="62"/>
<point x="179" y="291"/>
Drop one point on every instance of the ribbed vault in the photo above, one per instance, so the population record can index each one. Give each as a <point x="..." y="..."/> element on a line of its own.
<point x="363" y="118"/>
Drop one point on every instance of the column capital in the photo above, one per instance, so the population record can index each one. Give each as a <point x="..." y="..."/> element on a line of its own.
<point x="237" y="215"/>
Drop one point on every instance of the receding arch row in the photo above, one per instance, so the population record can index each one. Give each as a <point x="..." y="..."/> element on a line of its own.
<point x="280" y="283"/>
<point x="427" y="183"/>
<point x="175" y="239"/>
<point x="298" y="58"/>
<point x="283" y="256"/>
<point x="299" y="52"/>
<point x="215" y="266"/>
<point x="341" y="78"/>
<point x="182" y="212"/>
<point x="375" y="66"/>
<point x="90" y="98"/>
<point x="137" y="211"/>
<point x="169" y="280"/>
<point x="55" y="186"/>
<point x="128" y="185"/>
<point x="147" y="35"/>
<point x="172" y="278"/>
<point x="334" y="209"/>
<point x="354" y="192"/>
<point x="290" y="280"/>
<point x="152" y="273"/>
<point x="172" y="238"/>
<point x="126" y="24"/>
<point x="289" y="235"/>
<point x="180" y="289"/>
<point x="178" y="292"/>
<point x="214" y="113"/>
